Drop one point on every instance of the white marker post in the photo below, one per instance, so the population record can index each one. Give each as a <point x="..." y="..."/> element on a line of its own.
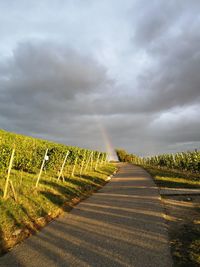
<point x="42" y="166"/>
<point x="8" y="176"/>
<point x="63" y="165"/>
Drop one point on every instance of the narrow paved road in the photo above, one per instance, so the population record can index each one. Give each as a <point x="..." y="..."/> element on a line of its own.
<point x="121" y="225"/>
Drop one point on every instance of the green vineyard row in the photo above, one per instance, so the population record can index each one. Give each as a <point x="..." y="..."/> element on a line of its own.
<point x="187" y="161"/>
<point x="29" y="153"/>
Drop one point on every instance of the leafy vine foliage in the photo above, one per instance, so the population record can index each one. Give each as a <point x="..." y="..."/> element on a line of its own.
<point x="187" y="161"/>
<point x="30" y="153"/>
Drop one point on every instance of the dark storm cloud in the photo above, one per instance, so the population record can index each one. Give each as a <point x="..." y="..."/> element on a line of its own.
<point x="156" y="19"/>
<point x="170" y="37"/>
<point x="130" y="66"/>
<point x="48" y="69"/>
<point x="42" y="85"/>
<point x="45" y="76"/>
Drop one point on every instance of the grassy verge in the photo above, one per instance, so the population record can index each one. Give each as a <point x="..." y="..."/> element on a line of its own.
<point x="174" y="178"/>
<point x="36" y="207"/>
<point x="182" y="214"/>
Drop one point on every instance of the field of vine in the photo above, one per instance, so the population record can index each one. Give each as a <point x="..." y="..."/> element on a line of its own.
<point x="29" y="153"/>
<point x="187" y="161"/>
<point x="39" y="179"/>
<point x="184" y="161"/>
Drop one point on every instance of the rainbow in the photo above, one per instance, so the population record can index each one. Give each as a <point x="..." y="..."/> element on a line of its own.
<point x="106" y="138"/>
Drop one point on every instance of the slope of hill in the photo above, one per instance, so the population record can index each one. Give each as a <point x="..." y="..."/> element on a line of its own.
<point x="68" y="175"/>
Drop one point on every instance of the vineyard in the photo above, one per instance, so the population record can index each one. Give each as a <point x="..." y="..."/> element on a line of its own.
<point x="38" y="179"/>
<point x="29" y="153"/>
<point x="33" y="155"/>
<point x="184" y="161"/>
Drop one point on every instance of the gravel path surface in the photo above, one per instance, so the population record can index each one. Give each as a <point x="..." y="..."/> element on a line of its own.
<point x="121" y="225"/>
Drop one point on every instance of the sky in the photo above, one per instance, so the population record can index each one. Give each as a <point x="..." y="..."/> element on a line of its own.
<point x="102" y="74"/>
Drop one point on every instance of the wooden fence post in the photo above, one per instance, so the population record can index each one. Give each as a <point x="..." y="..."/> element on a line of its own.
<point x="13" y="190"/>
<point x="96" y="165"/>
<point x="91" y="164"/>
<point x="42" y="166"/>
<point x="8" y="175"/>
<point x="101" y="162"/>
<point x="82" y="163"/>
<point x="106" y="157"/>
<point x="63" y="165"/>
<point x="88" y="161"/>
<point x="73" y="170"/>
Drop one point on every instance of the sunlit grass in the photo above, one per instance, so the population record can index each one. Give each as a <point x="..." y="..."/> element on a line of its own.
<point x="35" y="207"/>
<point x="173" y="179"/>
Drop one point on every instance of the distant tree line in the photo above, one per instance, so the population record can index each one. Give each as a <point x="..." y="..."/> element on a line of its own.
<point x="123" y="156"/>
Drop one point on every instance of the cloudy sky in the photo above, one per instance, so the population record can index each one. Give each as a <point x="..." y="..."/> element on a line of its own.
<point x="90" y="72"/>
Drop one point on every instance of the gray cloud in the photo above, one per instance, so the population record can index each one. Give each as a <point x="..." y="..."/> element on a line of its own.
<point x="50" y="90"/>
<point x="47" y="69"/>
<point x="131" y="69"/>
<point x="44" y="76"/>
